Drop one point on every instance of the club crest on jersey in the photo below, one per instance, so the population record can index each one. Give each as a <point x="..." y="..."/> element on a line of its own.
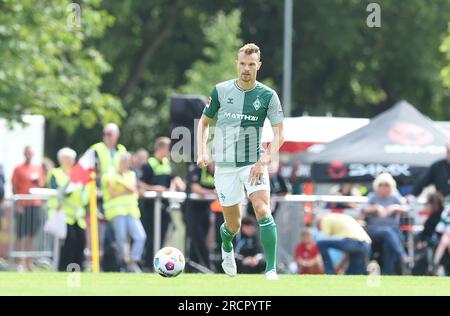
<point x="257" y="104"/>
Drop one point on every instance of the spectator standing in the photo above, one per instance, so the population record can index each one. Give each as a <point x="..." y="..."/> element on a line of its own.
<point x="197" y="213"/>
<point x="344" y="189"/>
<point x="382" y="226"/>
<point x="279" y="186"/>
<point x="107" y="155"/>
<point x="443" y="228"/>
<point x="108" y="152"/>
<point x="27" y="214"/>
<point x="438" y="174"/>
<point x="72" y="200"/>
<point x="47" y="165"/>
<point x="344" y="233"/>
<point x="140" y="158"/>
<point x="427" y="239"/>
<point x="307" y="255"/>
<point x="121" y="209"/>
<point x="249" y="253"/>
<point x="2" y="192"/>
<point x="157" y="175"/>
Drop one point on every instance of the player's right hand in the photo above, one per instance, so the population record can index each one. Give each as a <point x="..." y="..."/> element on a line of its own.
<point x="202" y="161"/>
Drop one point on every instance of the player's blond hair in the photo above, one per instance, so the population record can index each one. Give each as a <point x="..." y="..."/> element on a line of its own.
<point x="250" y="48"/>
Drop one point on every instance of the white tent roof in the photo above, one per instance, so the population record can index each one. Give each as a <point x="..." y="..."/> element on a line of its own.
<point x="314" y="129"/>
<point x="13" y="141"/>
<point x="445" y="126"/>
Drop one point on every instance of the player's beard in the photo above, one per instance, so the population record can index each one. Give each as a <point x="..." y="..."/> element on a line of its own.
<point x="246" y="77"/>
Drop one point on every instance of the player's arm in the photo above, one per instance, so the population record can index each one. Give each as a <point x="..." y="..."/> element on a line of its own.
<point x="272" y="150"/>
<point x="202" y="138"/>
<point x="209" y="112"/>
<point x="275" y="144"/>
<point x="275" y="116"/>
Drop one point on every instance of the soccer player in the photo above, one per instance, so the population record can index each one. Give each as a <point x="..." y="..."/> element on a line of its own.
<point x="237" y="109"/>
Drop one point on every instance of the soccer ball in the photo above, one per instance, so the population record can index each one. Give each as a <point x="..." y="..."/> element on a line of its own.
<point x="169" y="262"/>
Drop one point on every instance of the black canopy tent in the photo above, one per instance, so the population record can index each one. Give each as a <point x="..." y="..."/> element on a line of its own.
<point x="400" y="141"/>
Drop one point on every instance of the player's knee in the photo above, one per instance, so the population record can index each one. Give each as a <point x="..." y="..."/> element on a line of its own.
<point x="261" y="209"/>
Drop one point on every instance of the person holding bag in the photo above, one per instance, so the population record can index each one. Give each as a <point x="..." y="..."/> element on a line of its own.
<point x="71" y="200"/>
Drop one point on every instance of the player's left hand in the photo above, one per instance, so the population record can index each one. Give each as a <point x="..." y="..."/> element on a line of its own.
<point x="256" y="173"/>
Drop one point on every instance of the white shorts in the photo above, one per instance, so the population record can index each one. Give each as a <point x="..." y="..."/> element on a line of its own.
<point x="230" y="183"/>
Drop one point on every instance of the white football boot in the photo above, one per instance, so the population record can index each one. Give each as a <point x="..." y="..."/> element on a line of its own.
<point x="228" y="263"/>
<point x="272" y="275"/>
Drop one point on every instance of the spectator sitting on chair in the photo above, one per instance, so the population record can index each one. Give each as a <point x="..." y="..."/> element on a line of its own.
<point x="249" y="254"/>
<point x="307" y="255"/>
<point x="346" y="234"/>
<point x="382" y="226"/>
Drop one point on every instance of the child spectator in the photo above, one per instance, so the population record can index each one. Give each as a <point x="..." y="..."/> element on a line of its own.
<point x="249" y="253"/>
<point x="307" y="255"/>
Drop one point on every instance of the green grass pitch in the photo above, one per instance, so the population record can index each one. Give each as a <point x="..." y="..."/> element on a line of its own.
<point x="52" y="283"/>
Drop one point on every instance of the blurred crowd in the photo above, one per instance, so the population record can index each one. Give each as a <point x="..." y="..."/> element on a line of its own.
<point x="332" y="243"/>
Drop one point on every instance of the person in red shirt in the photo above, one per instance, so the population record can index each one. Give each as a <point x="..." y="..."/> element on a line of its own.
<point x="28" y="217"/>
<point x="307" y="255"/>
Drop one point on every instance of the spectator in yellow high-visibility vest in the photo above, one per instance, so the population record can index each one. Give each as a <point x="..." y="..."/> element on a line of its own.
<point x="71" y="200"/>
<point x="107" y="153"/>
<point x="121" y="208"/>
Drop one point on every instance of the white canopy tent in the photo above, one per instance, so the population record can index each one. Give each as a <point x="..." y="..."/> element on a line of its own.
<point x="304" y="131"/>
<point x="13" y="141"/>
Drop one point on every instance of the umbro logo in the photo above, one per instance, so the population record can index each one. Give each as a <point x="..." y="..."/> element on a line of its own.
<point x="230" y="101"/>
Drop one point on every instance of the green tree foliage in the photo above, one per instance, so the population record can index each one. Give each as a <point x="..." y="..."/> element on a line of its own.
<point x="47" y="69"/>
<point x="179" y="36"/>
<point x="445" y="48"/>
<point x="161" y="47"/>
<point x="219" y="56"/>
<point x="342" y="66"/>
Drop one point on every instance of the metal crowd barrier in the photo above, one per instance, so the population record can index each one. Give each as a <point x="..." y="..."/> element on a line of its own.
<point x="302" y="198"/>
<point x="43" y="241"/>
<point x="28" y="224"/>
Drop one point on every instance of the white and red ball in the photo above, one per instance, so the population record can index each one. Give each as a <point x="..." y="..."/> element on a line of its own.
<point x="169" y="262"/>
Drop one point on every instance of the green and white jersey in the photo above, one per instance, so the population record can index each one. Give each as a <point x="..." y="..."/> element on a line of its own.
<point x="237" y="121"/>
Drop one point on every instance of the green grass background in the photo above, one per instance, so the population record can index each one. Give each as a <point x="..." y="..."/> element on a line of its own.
<point x="52" y="283"/>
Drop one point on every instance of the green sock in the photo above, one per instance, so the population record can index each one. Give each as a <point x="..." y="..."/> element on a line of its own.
<point x="227" y="238"/>
<point x="268" y="233"/>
